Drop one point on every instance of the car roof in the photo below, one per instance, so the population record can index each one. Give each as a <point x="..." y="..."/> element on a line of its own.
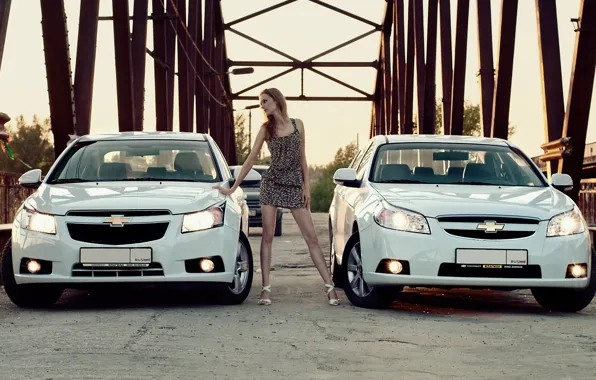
<point x="141" y="135"/>
<point x="448" y="139"/>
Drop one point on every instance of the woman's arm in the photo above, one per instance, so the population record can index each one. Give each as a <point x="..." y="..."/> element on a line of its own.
<point x="252" y="157"/>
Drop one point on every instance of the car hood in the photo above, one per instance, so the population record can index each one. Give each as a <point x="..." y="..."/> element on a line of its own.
<point x="436" y="200"/>
<point x="176" y="197"/>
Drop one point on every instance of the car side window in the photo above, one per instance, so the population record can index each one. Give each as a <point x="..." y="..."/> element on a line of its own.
<point x="365" y="159"/>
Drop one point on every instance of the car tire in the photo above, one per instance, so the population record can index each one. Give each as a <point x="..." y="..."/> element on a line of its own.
<point x="231" y="294"/>
<point x="26" y="295"/>
<point x="358" y="292"/>
<point x="278" y="226"/>
<point x="568" y="300"/>
<point x="334" y="267"/>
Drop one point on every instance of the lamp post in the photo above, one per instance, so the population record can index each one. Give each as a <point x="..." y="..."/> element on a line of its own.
<point x="250" y="108"/>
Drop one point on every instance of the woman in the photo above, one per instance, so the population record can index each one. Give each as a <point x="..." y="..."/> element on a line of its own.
<point x="284" y="184"/>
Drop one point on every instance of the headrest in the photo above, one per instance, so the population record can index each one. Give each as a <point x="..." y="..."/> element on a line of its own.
<point x="187" y="161"/>
<point x="423" y="171"/>
<point x="476" y="171"/>
<point x="394" y="172"/>
<point x="112" y="170"/>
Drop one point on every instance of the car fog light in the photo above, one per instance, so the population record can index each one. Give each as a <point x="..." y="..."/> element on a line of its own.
<point x="395" y="267"/>
<point x="33" y="266"/>
<point x="207" y="265"/>
<point x="578" y="271"/>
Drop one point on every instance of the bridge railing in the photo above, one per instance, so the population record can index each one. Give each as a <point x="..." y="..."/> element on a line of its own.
<point x="11" y="196"/>
<point x="587" y="200"/>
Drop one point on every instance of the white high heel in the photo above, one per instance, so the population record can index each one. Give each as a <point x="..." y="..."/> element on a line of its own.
<point x="265" y="301"/>
<point x="332" y="301"/>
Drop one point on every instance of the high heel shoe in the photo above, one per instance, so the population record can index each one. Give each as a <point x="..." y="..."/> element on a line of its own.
<point x="265" y="301"/>
<point x="332" y="301"/>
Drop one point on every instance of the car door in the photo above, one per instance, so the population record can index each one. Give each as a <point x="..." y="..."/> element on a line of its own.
<point x="348" y="198"/>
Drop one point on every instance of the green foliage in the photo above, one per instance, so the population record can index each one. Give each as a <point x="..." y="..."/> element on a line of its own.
<point x="322" y="191"/>
<point x="241" y="139"/>
<point x="472" y="121"/>
<point x="31" y="143"/>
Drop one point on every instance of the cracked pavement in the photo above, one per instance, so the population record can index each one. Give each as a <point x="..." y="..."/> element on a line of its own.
<point x="427" y="334"/>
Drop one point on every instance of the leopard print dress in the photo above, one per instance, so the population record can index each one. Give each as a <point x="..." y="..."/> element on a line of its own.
<point x="282" y="184"/>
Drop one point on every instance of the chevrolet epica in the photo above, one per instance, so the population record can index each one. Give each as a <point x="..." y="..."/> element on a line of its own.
<point x="130" y="208"/>
<point x="456" y="212"/>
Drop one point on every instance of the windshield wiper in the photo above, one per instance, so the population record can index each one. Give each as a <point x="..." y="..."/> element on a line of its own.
<point x="473" y="183"/>
<point x="400" y="181"/>
<point x="68" y="180"/>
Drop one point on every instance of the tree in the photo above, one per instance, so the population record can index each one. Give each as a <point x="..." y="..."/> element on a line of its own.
<point x="322" y="192"/>
<point x="241" y="139"/>
<point x="31" y="143"/>
<point x="472" y="121"/>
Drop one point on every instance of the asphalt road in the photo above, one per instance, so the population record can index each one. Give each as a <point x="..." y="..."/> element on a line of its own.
<point x="428" y="334"/>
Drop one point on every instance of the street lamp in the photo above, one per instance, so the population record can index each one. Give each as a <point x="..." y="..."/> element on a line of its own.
<point x="241" y="71"/>
<point x="250" y="108"/>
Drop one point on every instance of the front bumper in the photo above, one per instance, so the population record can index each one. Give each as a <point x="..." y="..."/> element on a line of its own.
<point x="169" y="253"/>
<point x="428" y="257"/>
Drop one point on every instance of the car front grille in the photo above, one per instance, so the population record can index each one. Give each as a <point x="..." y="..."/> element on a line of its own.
<point x="127" y="234"/>
<point x="154" y="269"/>
<point x="124" y="213"/>
<point x="482" y="226"/>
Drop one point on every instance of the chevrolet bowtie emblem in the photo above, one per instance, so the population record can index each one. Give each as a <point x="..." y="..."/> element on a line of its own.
<point x="117" y="220"/>
<point x="490" y="226"/>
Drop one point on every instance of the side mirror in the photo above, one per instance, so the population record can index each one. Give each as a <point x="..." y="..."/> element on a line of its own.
<point x="31" y="179"/>
<point x="346" y="177"/>
<point x="252" y="178"/>
<point x="562" y="182"/>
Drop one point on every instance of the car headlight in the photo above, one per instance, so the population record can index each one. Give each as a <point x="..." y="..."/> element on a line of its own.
<point x="401" y="219"/>
<point x="35" y="221"/>
<point x="204" y="220"/>
<point x="567" y="223"/>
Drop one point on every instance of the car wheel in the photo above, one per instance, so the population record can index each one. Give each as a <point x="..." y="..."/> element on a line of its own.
<point x="355" y="287"/>
<point x="26" y="295"/>
<point x="334" y="267"/>
<point x="278" y="224"/>
<point x="568" y="300"/>
<point x="236" y="292"/>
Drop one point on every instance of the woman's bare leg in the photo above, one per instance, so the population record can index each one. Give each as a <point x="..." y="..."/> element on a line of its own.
<point x="268" y="214"/>
<point x="307" y="227"/>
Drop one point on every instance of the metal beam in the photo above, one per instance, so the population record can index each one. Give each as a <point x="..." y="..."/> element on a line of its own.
<point x="313" y="98"/>
<point x="139" y="47"/>
<point x="200" y="65"/>
<point x="193" y="25"/>
<point x="255" y="14"/>
<point x="459" y="67"/>
<point x="124" y="73"/>
<point x="502" y="97"/>
<point x="183" y="68"/>
<point x="446" y="62"/>
<point x="344" y="44"/>
<point x="430" y="91"/>
<point x="420" y="65"/>
<point x="85" y="65"/>
<point x="386" y="61"/>
<point x="346" y="13"/>
<point x="398" y="24"/>
<point x="161" y="80"/>
<point x="58" y="73"/>
<point x="410" y="68"/>
<point x="580" y="92"/>
<point x="268" y="47"/>
<point x="301" y="64"/>
<point x="485" y="62"/>
<point x="4" y="13"/>
<point x="553" y="104"/>
<point x="170" y="59"/>
<point x="338" y="81"/>
<point x="208" y="43"/>
<point x="265" y="81"/>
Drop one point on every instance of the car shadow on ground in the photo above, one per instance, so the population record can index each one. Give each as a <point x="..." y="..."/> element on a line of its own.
<point x="464" y="302"/>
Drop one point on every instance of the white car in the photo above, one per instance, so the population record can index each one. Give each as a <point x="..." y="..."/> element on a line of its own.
<point x="456" y="212"/>
<point x="130" y="208"/>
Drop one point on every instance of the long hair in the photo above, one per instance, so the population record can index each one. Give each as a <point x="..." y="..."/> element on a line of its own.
<point x="280" y="100"/>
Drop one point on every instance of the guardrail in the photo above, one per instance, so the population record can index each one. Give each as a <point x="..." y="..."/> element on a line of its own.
<point x="11" y="196"/>
<point x="587" y="200"/>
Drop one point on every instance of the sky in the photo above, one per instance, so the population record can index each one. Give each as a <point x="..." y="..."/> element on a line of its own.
<point x="301" y="29"/>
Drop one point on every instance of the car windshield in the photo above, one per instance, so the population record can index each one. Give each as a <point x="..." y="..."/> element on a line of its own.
<point x="457" y="164"/>
<point x="137" y="160"/>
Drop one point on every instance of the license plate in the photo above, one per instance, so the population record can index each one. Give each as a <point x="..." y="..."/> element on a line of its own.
<point x="116" y="257"/>
<point x="491" y="256"/>
<point x="252" y="212"/>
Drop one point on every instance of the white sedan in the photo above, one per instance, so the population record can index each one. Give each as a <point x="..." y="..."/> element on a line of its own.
<point x="130" y="208"/>
<point x="456" y="212"/>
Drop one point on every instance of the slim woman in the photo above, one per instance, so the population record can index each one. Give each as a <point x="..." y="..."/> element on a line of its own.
<point x="285" y="184"/>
